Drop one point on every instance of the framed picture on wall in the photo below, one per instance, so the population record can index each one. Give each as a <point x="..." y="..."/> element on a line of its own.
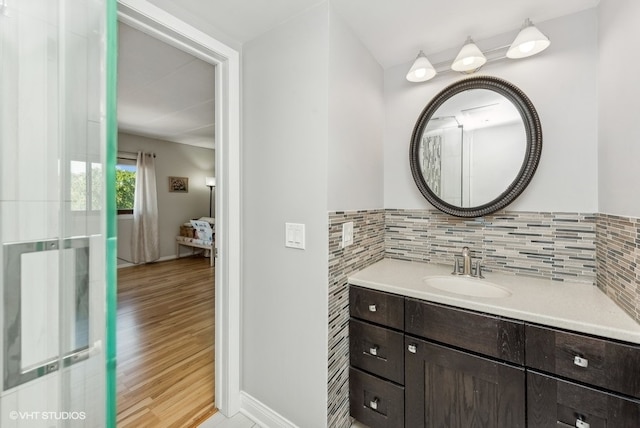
<point x="179" y="184"/>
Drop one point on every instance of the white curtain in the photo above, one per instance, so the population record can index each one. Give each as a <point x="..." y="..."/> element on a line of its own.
<point x="145" y="245"/>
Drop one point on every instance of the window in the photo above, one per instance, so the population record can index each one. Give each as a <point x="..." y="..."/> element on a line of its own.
<point x="125" y="185"/>
<point x="86" y="186"/>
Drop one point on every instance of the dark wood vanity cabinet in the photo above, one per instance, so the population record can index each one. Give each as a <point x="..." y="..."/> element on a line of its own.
<point x="418" y="364"/>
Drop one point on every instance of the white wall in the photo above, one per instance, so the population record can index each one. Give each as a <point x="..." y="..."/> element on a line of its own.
<point x="356" y="122"/>
<point x="174" y="209"/>
<point x="619" y="91"/>
<point x="313" y="120"/>
<point x="561" y="83"/>
<point x="284" y="292"/>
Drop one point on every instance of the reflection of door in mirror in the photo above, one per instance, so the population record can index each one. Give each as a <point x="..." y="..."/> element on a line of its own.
<point x="481" y="139"/>
<point x="445" y="171"/>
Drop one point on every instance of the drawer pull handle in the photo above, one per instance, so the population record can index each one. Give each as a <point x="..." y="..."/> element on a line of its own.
<point x="412" y="348"/>
<point x="374" y="404"/>
<point x="372" y="308"/>
<point x="581" y="424"/>
<point x="374" y="350"/>
<point x="581" y="362"/>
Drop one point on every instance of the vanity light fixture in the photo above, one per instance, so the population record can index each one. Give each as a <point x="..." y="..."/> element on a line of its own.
<point x="421" y="70"/>
<point x="469" y="59"/>
<point x="528" y="42"/>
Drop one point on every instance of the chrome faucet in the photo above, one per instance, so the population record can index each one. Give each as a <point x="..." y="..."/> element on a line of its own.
<point x="466" y="261"/>
<point x="467" y="268"/>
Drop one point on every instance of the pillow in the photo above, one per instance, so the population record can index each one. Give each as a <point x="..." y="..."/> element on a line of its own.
<point x="203" y="230"/>
<point x="208" y="219"/>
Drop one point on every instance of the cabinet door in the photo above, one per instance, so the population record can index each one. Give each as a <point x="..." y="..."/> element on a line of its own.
<point x="554" y="403"/>
<point x="450" y="388"/>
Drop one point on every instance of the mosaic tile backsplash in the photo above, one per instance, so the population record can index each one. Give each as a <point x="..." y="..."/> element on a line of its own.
<point x="618" y="259"/>
<point x="557" y="246"/>
<point x="367" y="248"/>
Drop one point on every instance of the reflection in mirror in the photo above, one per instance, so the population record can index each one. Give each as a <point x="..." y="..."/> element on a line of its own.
<point x="472" y="147"/>
<point x="475" y="146"/>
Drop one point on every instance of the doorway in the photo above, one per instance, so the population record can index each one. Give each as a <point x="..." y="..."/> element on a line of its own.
<point x="142" y="15"/>
<point x="165" y="307"/>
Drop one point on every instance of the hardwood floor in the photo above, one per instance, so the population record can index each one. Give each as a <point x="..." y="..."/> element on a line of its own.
<point x="165" y="344"/>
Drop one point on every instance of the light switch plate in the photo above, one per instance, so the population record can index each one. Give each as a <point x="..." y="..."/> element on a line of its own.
<point x="294" y="236"/>
<point x="347" y="234"/>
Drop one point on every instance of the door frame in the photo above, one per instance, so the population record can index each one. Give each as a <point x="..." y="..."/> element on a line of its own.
<point x="144" y="16"/>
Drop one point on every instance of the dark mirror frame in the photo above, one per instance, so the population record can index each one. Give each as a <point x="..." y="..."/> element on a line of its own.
<point x="533" y="130"/>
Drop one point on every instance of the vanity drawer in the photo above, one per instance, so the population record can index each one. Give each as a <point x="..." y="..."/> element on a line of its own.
<point x="377" y="350"/>
<point x="485" y="334"/>
<point x="375" y="402"/>
<point x="376" y="306"/>
<point x="601" y="362"/>
<point x="552" y="403"/>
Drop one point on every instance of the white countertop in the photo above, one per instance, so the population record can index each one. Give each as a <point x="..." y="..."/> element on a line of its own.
<point x="573" y="306"/>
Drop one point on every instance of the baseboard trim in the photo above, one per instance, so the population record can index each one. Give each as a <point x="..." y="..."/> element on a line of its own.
<point x="262" y="414"/>
<point x="124" y="265"/>
<point x="161" y="259"/>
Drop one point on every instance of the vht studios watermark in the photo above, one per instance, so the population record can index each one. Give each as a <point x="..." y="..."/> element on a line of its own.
<point x="50" y="416"/>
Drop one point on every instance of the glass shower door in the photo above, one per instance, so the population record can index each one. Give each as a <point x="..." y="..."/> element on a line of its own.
<point x="53" y="216"/>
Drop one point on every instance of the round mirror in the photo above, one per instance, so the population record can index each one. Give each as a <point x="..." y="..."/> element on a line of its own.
<point x="475" y="146"/>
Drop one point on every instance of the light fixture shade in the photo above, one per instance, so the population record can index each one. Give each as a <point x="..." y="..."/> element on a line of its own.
<point x="469" y="59"/>
<point x="421" y="70"/>
<point x="210" y="181"/>
<point x="528" y="42"/>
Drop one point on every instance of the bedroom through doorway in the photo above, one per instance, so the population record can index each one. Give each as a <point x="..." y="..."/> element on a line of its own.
<point x="166" y="319"/>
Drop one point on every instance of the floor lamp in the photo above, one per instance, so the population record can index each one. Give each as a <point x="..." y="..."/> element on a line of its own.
<point x="211" y="183"/>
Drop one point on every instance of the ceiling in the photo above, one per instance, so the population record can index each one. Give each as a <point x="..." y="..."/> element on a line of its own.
<point x="393" y="30"/>
<point x="168" y="94"/>
<point x="163" y="92"/>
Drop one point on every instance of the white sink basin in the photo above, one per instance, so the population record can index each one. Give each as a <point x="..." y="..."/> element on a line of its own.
<point x="466" y="286"/>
